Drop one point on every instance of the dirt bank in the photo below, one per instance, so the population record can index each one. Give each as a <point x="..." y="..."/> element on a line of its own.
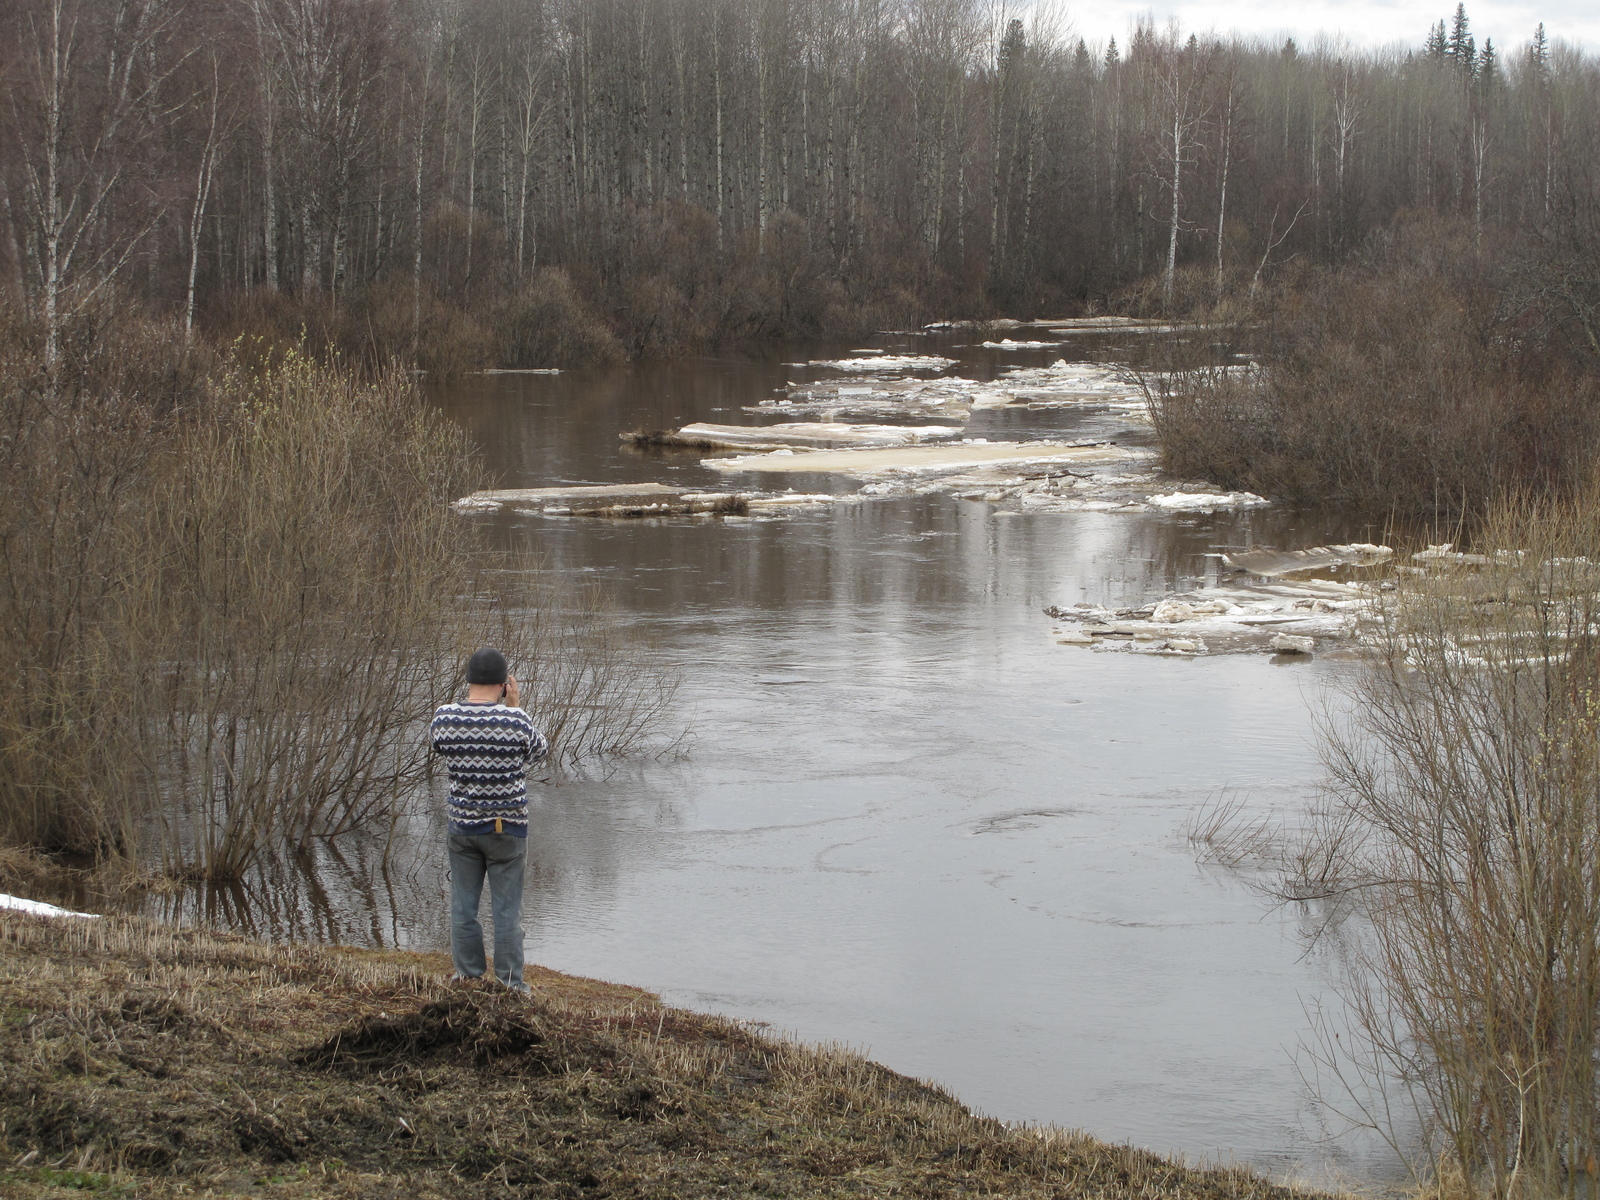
<point x="142" y="1060"/>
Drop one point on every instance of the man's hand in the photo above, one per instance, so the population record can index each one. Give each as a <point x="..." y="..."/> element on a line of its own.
<point x="513" y="696"/>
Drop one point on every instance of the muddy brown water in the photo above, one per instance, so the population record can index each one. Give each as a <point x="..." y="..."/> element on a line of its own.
<point x="904" y="819"/>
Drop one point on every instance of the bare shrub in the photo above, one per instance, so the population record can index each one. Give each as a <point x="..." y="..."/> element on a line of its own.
<point x="295" y="607"/>
<point x="80" y="449"/>
<point x="231" y="601"/>
<point x="593" y="686"/>
<point x="387" y="322"/>
<point x="1466" y="773"/>
<point x="546" y="324"/>
<point x="1403" y="384"/>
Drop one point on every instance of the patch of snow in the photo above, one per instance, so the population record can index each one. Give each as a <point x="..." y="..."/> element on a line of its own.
<point x="38" y="908"/>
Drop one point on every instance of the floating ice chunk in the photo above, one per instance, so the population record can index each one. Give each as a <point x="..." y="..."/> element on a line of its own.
<point x="796" y="500"/>
<point x="1281" y="562"/>
<point x="999" y="323"/>
<point x="887" y="362"/>
<point x="795" y="435"/>
<point x="1232" y="618"/>
<point x="38" y="908"/>
<point x="1008" y="344"/>
<point x="1120" y="324"/>
<point x="1171" y="612"/>
<point x="1288" y="643"/>
<point x="1446" y="552"/>
<point x="1206" y="501"/>
<point x="942" y="458"/>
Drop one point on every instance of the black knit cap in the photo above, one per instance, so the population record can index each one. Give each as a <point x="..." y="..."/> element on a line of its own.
<point x="487" y="666"/>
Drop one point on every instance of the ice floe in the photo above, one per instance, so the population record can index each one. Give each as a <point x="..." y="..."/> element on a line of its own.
<point x="1114" y="324"/>
<point x="886" y="362"/>
<point x="794" y="435"/>
<point x="1447" y="553"/>
<point x="947" y="457"/>
<point x="1124" y="488"/>
<point x="940" y="399"/>
<point x="1281" y="617"/>
<point x="1065" y="384"/>
<point x="1204" y="501"/>
<point x="1009" y="344"/>
<point x="632" y="500"/>
<point x="1001" y="323"/>
<point x="1267" y="614"/>
<point x="1283" y="562"/>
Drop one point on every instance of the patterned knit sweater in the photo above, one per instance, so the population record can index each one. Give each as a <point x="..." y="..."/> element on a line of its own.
<point x="488" y="748"/>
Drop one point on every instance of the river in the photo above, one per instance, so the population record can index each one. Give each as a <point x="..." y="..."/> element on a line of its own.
<point x="904" y="818"/>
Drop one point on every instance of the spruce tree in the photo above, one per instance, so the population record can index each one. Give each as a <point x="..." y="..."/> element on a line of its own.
<point x="1461" y="51"/>
<point x="1438" y="42"/>
<point x="1487" y="67"/>
<point x="1539" y="51"/>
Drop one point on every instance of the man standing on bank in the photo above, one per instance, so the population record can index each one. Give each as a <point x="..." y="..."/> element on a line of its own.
<point x="488" y="743"/>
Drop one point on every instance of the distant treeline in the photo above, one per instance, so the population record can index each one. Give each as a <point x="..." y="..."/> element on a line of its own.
<point x="531" y="181"/>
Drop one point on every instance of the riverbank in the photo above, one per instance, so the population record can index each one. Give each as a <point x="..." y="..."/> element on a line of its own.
<point x="147" y="1060"/>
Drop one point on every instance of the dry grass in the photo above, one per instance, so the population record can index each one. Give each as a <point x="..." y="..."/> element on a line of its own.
<point x="1223" y="832"/>
<point x="144" y="1060"/>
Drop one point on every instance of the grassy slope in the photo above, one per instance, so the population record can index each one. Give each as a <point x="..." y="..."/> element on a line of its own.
<point x="141" y="1060"/>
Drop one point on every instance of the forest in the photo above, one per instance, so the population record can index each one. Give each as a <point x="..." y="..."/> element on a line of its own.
<point x="543" y="182"/>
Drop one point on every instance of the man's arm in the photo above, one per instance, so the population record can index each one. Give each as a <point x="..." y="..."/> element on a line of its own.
<point x="538" y="747"/>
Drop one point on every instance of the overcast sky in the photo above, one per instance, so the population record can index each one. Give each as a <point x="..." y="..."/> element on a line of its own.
<point x="1362" y="22"/>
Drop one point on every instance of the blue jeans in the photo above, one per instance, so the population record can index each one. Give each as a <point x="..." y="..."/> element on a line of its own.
<point x="501" y="857"/>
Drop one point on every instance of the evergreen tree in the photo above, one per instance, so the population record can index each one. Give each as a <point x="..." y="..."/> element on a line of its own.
<point x="1080" y="59"/>
<point x="1488" y="68"/>
<point x="1461" y="50"/>
<point x="1539" y="52"/>
<point x="1438" y="42"/>
<point x="1113" y="57"/>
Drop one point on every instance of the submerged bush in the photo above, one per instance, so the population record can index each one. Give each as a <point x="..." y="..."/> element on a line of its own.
<point x="231" y="597"/>
<point x="546" y="324"/>
<point x="1465" y="826"/>
<point x="1414" y="383"/>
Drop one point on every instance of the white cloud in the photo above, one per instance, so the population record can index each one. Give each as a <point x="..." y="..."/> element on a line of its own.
<point x="1363" y="23"/>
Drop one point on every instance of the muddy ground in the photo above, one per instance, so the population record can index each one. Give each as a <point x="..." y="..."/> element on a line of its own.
<point x="142" y="1060"/>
